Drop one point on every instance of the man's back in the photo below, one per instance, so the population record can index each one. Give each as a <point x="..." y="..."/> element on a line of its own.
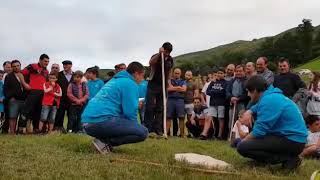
<point x="119" y="97"/>
<point x="289" y="83"/>
<point x="278" y="115"/>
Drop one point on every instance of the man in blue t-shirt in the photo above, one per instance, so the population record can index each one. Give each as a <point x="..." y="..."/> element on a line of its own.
<point x="176" y="93"/>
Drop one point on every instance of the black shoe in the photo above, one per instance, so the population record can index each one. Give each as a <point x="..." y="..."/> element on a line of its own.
<point x="219" y="138"/>
<point x="292" y="164"/>
<point x="203" y="137"/>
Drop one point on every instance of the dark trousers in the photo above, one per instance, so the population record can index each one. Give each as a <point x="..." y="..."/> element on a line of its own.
<point x="33" y="106"/>
<point x="74" y="122"/>
<point x="195" y="130"/>
<point x="270" y="149"/>
<point x="5" y="126"/>
<point x="153" y="119"/>
<point x="117" y="131"/>
<point x="64" y="106"/>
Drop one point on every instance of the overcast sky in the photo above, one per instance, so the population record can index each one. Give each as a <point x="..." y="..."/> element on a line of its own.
<point x="104" y="33"/>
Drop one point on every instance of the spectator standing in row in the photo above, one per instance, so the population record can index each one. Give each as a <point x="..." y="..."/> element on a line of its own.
<point x="120" y="67"/>
<point x="55" y="68"/>
<point x="64" y="79"/>
<point x="236" y="94"/>
<point x="94" y="82"/>
<point x="50" y="102"/>
<point x="176" y="93"/>
<point x="36" y="75"/>
<point x="78" y="94"/>
<point x="7" y="69"/>
<point x="250" y="70"/>
<point x="15" y="93"/>
<point x="216" y="112"/>
<point x="1" y="98"/>
<point x="287" y="81"/>
<point x="262" y="70"/>
<point x="230" y="72"/>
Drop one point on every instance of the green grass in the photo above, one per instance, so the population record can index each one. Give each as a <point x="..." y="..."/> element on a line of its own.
<point x="73" y="157"/>
<point x="313" y="65"/>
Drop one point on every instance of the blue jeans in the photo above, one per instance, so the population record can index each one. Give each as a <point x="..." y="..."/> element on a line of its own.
<point x="117" y="131"/>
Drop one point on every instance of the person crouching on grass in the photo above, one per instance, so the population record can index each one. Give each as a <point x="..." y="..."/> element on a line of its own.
<point x="78" y="94"/>
<point x="240" y="130"/>
<point x="196" y="122"/>
<point x="111" y="116"/>
<point x="50" y="102"/>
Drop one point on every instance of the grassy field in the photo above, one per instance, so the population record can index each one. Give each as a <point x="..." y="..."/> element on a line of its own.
<point x="73" y="157"/>
<point x="313" y="65"/>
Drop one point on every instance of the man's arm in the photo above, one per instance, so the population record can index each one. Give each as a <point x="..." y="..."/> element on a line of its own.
<point x="298" y="82"/>
<point x="155" y="59"/>
<point x="270" y="78"/>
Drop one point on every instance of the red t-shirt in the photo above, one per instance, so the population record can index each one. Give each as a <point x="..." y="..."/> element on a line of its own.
<point x="51" y="97"/>
<point x="36" y="75"/>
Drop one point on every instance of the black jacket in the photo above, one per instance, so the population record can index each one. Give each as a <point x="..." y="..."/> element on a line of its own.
<point x="289" y="83"/>
<point x="64" y="83"/>
<point x="12" y="88"/>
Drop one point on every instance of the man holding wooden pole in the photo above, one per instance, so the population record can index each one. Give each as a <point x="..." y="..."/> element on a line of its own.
<point x="155" y="100"/>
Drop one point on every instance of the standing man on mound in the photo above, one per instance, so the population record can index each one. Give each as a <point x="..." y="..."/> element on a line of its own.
<point x="111" y="116"/>
<point x="154" y="99"/>
<point x="279" y="133"/>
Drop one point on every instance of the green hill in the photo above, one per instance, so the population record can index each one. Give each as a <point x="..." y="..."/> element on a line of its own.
<point x="312" y="65"/>
<point x="281" y="45"/>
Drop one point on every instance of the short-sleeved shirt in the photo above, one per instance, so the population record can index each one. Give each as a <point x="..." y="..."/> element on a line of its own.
<point x="177" y="82"/>
<point x="191" y="87"/>
<point x="156" y="72"/>
<point x="204" y="90"/>
<point x="244" y="128"/>
<point x="313" y="138"/>
<point x="94" y="87"/>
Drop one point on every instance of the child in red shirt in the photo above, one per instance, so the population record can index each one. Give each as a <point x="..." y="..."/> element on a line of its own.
<point x="50" y="101"/>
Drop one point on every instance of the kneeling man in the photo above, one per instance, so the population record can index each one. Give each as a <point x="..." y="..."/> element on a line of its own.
<point x="111" y="116"/>
<point x="279" y="133"/>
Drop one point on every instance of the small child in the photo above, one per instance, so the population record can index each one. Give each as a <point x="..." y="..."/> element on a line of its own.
<point x="312" y="147"/>
<point x="94" y="83"/>
<point x="240" y="130"/>
<point x="78" y="94"/>
<point x="50" y="102"/>
<point x="1" y="99"/>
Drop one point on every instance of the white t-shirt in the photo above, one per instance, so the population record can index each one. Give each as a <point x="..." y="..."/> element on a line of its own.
<point x="204" y="89"/>
<point x="244" y="128"/>
<point x="313" y="138"/>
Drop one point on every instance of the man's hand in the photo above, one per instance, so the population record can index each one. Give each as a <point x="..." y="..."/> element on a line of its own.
<point x="248" y="137"/>
<point x="161" y="50"/>
<point x="234" y="100"/>
<point x="20" y="76"/>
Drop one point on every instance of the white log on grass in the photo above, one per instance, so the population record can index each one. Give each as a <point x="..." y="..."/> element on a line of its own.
<point x="202" y="160"/>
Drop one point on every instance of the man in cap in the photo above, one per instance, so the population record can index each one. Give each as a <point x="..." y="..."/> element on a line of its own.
<point x="64" y="79"/>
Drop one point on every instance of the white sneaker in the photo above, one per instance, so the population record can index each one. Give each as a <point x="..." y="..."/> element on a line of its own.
<point x="102" y="147"/>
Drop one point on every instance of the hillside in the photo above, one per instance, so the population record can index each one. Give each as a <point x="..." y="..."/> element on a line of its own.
<point x="313" y="65"/>
<point x="242" y="51"/>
